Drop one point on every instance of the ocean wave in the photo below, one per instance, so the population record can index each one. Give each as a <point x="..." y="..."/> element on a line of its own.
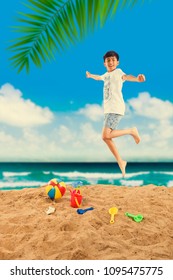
<point x="97" y="175"/>
<point x="15" y="174"/>
<point x="130" y="175"/>
<point x="21" y="184"/>
<point x="163" y="172"/>
<point x="132" y="183"/>
<point x="46" y="172"/>
<point x="170" y="184"/>
<point x="87" y="175"/>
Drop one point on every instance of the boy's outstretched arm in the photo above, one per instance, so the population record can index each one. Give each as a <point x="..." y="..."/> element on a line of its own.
<point x="95" y="77"/>
<point x="140" y="78"/>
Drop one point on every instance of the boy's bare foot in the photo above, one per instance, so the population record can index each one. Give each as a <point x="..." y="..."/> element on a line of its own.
<point x="122" y="166"/>
<point x="135" y="135"/>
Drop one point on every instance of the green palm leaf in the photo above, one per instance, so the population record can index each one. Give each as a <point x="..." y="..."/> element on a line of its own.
<point x="53" y="25"/>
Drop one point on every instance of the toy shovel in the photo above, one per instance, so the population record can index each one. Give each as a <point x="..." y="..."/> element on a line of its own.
<point x="112" y="211"/>
<point x="137" y="218"/>
<point x="82" y="211"/>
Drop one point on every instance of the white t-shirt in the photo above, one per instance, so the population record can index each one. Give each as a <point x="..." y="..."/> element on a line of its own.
<point x="113" y="98"/>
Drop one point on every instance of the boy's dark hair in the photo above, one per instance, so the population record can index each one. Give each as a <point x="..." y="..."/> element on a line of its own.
<point x="111" y="53"/>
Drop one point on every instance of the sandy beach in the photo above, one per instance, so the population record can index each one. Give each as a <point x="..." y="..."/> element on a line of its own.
<point x="28" y="233"/>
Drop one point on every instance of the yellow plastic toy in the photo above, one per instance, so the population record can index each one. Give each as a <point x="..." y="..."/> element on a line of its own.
<point x="113" y="211"/>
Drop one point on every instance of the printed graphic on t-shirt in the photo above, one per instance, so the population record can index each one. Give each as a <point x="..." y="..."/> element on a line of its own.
<point x="107" y="92"/>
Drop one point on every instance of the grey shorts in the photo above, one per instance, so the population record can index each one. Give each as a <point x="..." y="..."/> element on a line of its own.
<point x="112" y="120"/>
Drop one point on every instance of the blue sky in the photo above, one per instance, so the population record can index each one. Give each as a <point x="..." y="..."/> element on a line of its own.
<point x="55" y="113"/>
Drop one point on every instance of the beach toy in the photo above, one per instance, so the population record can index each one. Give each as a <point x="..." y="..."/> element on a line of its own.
<point x="55" y="189"/>
<point x="76" y="198"/>
<point x="77" y="184"/>
<point x="113" y="211"/>
<point x="137" y="218"/>
<point x="50" y="210"/>
<point x="82" y="211"/>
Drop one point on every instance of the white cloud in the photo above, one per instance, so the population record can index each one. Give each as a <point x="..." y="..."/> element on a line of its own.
<point x="92" y="111"/>
<point x="152" y="107"/>
<point x="74" y="138"/>
<point x="5" y="138"/>
<point x="88" y="134"/>
<point x="64" y="134"/>
<point x="16" y="111"/>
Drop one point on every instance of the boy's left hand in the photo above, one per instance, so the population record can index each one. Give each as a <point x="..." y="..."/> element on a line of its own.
<point x="88" y="74"/>
<point x="141" y="78"/>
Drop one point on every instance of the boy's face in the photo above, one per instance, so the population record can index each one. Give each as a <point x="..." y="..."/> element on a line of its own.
<point x="111" y="63"/>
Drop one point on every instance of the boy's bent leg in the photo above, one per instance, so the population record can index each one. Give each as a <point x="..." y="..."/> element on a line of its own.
<point x="129" y="131"/>
<point x="113" y="149"/>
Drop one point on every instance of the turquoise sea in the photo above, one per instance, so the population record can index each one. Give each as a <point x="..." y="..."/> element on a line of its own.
<point x="32" y="175"/>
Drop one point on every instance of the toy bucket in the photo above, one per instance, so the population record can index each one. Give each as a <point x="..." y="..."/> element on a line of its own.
<point x="76" y="198"/>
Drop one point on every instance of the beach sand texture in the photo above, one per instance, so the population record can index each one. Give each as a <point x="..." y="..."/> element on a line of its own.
<point x="28" y="233"/>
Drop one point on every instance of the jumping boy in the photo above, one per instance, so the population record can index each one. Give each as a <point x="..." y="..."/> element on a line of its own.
<point x="114" y="106"/>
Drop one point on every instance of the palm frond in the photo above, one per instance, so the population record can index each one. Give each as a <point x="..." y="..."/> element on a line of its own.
<point x="53" y="25"/>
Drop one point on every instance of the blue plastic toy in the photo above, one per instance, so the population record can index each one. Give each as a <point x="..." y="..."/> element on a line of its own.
<point x="82" y="211"/>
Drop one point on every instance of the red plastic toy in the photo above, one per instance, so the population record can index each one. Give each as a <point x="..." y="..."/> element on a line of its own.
<point x="76" y="198"/>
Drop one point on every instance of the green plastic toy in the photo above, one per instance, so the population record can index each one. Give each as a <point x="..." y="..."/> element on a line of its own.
<point x="137" y="218"/>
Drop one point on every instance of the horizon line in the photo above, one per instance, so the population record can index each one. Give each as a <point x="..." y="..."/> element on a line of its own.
<point x="89" y="162"/>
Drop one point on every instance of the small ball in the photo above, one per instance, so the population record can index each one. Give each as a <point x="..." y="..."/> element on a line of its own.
<point x="55" y="189"/>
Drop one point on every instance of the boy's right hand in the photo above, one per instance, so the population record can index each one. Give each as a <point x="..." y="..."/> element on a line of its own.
<point x="88" y="74"/>
<point x="141" y="78"/>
